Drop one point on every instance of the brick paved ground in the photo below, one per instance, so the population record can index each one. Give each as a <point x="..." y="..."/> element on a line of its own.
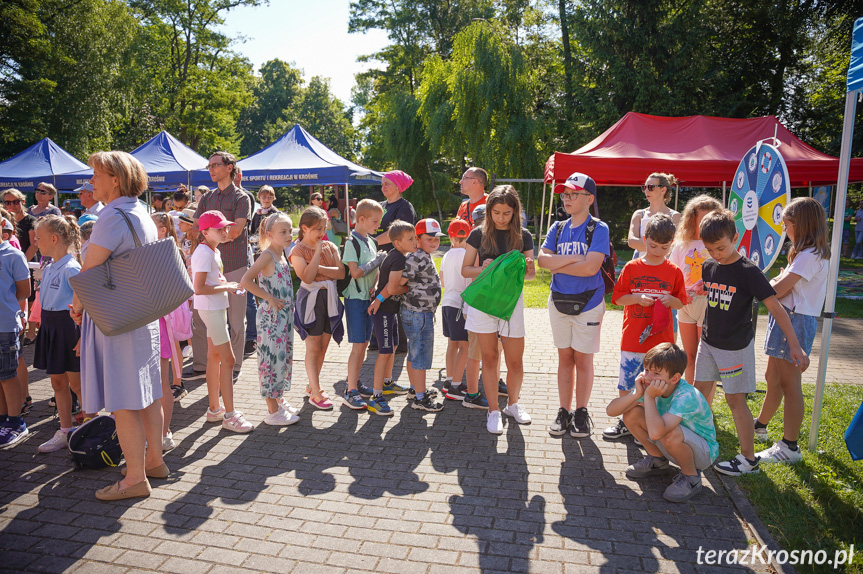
<point x="343" y="491"/>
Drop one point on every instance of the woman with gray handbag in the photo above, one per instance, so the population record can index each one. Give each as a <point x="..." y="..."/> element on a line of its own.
<point x="120" y="372"/>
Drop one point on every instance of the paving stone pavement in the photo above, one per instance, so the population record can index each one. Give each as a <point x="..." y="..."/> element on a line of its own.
<point x="344" y="491"/>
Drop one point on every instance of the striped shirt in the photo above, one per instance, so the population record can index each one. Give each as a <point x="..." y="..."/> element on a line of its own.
<point x="234" y="204"/>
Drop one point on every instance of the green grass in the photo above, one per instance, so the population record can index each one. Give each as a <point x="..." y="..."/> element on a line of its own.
<point x="814" y="504"/>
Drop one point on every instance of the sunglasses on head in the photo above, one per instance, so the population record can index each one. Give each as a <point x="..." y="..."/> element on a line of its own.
<point x="650" y="186"/>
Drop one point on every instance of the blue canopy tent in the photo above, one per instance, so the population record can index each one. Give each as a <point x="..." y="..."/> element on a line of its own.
<point x="43" y="161"/>
<point x="298" y="158"/>
<point x="169" y="162"/>
<point x="854" y="89"/>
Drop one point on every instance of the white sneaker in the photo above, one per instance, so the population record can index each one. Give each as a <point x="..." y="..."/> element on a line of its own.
<point x="168" y="442"/>
<point x="494" y="423"/>
<point x="288" y="407"/>
<point x="761" y="434"/>
<point x="59" y="441"/>
<point x="237" y="423"/>
<point x="517" y="412"/>
<point x="780" y="452"/>
<point x="281" y="418"/>
<point x="215" y="416"/>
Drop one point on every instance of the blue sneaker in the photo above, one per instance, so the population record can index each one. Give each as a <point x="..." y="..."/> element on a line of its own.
<point x="353" y="400"/>
<point x="11" y="434"/>
<point x="477" y="402"/>
<point x="365" y="392"/>
<point x="379" y="406"/>
<point x="393" y="388"/>
<point x="501" y="387"/>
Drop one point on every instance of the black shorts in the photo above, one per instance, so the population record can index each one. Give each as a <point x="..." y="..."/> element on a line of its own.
<point x="322" y="316"/>
<point x="55" y="343"/>
<point x="386" y="328"/>
<point x="453" y="324"/>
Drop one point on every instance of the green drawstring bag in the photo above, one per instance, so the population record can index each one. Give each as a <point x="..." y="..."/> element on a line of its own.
<point x="497" y="289"/>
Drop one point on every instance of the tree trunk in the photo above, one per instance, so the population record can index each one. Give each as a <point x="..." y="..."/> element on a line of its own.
<point x="567" y="60"/>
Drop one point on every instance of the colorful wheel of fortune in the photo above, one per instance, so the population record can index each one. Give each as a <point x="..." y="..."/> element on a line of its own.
<point x="759" y="194"/>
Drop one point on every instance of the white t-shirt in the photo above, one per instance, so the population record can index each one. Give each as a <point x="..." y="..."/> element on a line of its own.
<point x="454" y="283"/>
<point x="207" y="260"/>
<point x="690" y="257"/>
<point x="807" y="295"/>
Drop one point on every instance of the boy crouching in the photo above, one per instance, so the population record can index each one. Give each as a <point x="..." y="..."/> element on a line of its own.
<point x="671" y="419"/>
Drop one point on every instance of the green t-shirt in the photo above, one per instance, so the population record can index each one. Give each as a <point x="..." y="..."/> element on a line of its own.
<point x="359" y="288"/>
<point x="848" y="213"/>
<point x="694" y="412"/>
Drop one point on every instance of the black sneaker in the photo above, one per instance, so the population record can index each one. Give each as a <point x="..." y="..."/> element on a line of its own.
<point x="25" y="408"/>
<point x="430" y="392"/>
<point x="561" y="422"/>
<point x="193" y="374"/>
<point x="501" y="387"/>
<point x="179" y="391"/>
<point x="581" y="425"/>
<point x="250" y="348"/>
<point x="365" y="392"/>
<point x="477" y="402"/>
<point x="457" y="392"/>
<point x="427" y="404"/>
<point x="619" y="430"/>
<point x="52" y="402"/>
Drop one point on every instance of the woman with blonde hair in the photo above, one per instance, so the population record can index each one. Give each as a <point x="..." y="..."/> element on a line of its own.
<point x="657" y="190"/>
<point x="120" y="373"/>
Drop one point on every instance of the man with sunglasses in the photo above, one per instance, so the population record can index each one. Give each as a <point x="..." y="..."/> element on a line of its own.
<point x="472" y="184"/>
<point x="43" y="207"/>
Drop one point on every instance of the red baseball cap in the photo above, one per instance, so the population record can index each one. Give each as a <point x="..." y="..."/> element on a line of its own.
<point x="213" y="220"/>
<point x="458" y="228"/>
<point x="429" y="227"/>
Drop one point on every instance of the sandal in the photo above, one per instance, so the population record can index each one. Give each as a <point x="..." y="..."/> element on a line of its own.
<point x="321" y="400"/>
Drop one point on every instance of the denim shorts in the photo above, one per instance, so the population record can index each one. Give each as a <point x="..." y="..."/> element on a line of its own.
<point x="419" y="327"/>
<point x="775" y="342"/>
<point x="10" y="347"/>
<point x="358" y="319"/>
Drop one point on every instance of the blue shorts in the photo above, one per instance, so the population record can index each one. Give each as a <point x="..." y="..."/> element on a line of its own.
<point x="419" y="327"/>
<point x="386" y="326"/>
<point x="10" y="347"/>
<point x="846" y="236"/>
<point x="453" y="324"/>
<point x="775" y="342"/>
<point x="358" y="319"/>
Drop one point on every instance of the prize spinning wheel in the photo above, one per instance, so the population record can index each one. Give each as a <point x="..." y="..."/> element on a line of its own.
<point x="759" y="194"/>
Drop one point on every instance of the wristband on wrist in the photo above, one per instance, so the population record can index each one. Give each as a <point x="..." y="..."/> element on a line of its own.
<point x="380" y="298"/>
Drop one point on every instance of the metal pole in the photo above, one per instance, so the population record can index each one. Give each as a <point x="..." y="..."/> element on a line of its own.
<point x="833" y="275"/>
<point x="347" y="208"/>
<point x="550" y="208"/>
<point x="676" y="196"/>
<point x="810" y="189"/>
<point x="541" y="213"/>
<point x="723" y="194"/>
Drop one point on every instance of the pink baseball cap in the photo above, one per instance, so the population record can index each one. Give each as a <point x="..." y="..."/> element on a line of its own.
<point x="213" y="220"/>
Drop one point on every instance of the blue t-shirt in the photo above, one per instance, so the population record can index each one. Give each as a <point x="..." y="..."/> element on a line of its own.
<point x="56" y="293"/>
<point x="690" y="405"/>
<point x="13" y="267"/>
<point x="572" y="241"/>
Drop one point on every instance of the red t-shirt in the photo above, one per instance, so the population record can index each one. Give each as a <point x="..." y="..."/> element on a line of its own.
<point x="639" y="278"/>
<point x="465" y="210"/>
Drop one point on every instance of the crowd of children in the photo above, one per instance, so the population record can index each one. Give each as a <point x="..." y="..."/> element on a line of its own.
<point x="665" y="392"/>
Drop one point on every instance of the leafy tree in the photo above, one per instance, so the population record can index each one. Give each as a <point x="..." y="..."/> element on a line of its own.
<point x="277" y="89"/>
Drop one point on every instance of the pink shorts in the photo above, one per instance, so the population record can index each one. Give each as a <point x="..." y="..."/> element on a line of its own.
<point x="164" y="341"/>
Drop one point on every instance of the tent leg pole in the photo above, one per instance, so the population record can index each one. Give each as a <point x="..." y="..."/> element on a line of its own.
<point x="810" y="189"/>
<point x="833" y="274"/>
<point x="550" y="210"/>
<point x="676" y="196"/>
<point x="347" y="208"/>
<point x="541" y="214"/>
<point x="723" y="194"/>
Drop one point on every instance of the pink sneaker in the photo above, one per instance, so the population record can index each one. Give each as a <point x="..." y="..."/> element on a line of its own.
<point x="215" y="416"/>
<point x="237" y="423"/>
<point x="321" y="401"/>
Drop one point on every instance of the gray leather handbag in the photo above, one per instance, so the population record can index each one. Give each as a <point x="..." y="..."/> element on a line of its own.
<point x="136" y="288"/>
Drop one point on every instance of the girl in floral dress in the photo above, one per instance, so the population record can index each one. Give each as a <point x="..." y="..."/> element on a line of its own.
<point x="275" y="317"/>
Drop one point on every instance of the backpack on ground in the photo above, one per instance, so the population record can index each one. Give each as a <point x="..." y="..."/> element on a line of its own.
<point x="496" y="290"/>
<point x="94" y="444"/>
<point x="609" y="264"/>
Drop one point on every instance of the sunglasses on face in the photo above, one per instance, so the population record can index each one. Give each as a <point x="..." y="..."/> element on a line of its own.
<point x="43" y="192"/>
<point x="650" y="186"/>
<point x="12" y="202"/>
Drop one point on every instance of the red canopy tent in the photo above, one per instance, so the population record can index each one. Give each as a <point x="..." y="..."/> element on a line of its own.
<point x="701" y="151"/>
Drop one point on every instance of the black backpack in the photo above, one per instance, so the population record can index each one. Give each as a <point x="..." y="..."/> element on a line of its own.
<point x="94" y="444"/>
<point x="609" y="264"/>
<point x="342" y="284"/>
